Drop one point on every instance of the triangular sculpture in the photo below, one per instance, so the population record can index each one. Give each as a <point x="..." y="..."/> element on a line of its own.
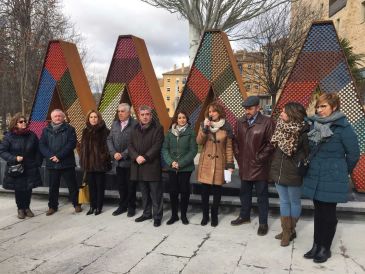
<point x="214" y="75"/>
<point x="322" y="66"/>
<point x="63" y="85"/>
<point x="131" y="79"/>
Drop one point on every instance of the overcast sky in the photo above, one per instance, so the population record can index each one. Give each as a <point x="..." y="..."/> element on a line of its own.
<point x="101" y="22"/>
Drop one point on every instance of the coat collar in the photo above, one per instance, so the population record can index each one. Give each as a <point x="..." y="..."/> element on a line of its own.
<point x="259" y="119"/>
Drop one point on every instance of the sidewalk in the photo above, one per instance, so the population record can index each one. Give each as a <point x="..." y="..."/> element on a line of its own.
<point x="75" y="243"/>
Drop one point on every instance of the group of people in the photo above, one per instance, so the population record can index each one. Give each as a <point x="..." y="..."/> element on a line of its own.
<point x="265" y="152"/>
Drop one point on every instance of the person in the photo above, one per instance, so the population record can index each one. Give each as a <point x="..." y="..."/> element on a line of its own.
<point x="20" y="146"/>
<point x="145" y="152"/>
<point x="95" y="159"/>
<point x="253" y="151"/>
<point x="57" y="144"/>
<point x="118" y="140"/>
<point x="178" y="150"/>
<point x="215" y="135"/>
<point x="291" y="146"/>
<point x="335" y="149"/>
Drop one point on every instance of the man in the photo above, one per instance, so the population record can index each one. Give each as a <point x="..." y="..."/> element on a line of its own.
<point x="145" y="150"/>
<point x="118" y="141"/>
<point x="57" y="145"/>
<point x="252" y="150"/>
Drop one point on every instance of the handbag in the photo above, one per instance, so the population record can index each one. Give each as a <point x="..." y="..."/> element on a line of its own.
<point x="15" y="170"/>
<point x="303" y="165"/>
<point x="84" y="194"/>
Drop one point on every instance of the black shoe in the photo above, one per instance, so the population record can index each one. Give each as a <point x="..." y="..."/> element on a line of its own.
<point x="214" y="222"/>
<point x="263" y="228"/>
<point x="131" y="212"/>
<point x="240" y="221"/>
<point x="184" y="220"/>
<point x="91" y="211"/>
<point x="311" y="253"/>
<point x="156" y="223"/>
<point x="204" y="221"/>
<point x="97" y="211"/>
<point x="142" y="219"/>
<point x="119" y="211"/>
<point x="172" y="220"/>
<point x="322" y="255"/>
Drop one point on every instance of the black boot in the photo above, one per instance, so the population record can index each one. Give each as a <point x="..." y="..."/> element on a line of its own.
<point x="184" y="207"/>
<point x="311" y="253"/>
<point x="214" y="221"/>
<point x="205" y="207"/>
<point x="322" y="255"/>
<point x="174" y="207"/>
<point x="91" y="211"/>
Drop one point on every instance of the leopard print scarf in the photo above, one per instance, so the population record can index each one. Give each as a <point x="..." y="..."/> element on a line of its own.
<point x="286" y="136"/>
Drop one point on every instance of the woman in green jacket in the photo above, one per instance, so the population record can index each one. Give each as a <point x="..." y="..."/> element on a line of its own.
<point x="179" y="150"/>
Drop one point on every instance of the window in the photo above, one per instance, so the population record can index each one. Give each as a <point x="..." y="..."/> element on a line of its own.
<point x="249" y="66"/>
<point x="168" y="98"/>
<point x="178" y="89"/>
<point x="184" y="81"/>
<point x="256" y="86"/>
<point x="168" y="80"/>
<point x="168" y="89"/>
<point x="257" y="66"/>
<point x="248" y="77"/>
<point x="256" y="76"/>
<point x="338" y="24"/>
<point x="335" y="6"/>
<point x="240" y="69"/>
<point x="248" y="87"/>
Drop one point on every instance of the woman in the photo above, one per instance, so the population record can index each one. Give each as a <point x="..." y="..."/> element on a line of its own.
<point x="335" y="152"/>
<point x="178" y="151"/>
<point x="95" y="159"/>
<point x="20" y="146"/>
<point x="291" y="145"/>
<point x="215" y="135"/>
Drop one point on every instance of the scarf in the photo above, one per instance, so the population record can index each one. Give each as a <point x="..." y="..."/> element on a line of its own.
<point x="286" y="136"/>
<point x="177" y="130"/>
<point x="321" y="126"/>
<point x="215" y="126"/>
<point x="56" y="127"/>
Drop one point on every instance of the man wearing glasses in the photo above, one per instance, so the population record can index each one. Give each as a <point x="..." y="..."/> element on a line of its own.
<point x="57" y="145"/>
<point x="118" y="140"/>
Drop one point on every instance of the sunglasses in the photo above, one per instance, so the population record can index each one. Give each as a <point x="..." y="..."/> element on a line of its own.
<point x="21" y="122"/>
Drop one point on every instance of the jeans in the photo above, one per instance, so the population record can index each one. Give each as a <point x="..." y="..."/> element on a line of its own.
<point x="290" y="202"/>
<point x="262" y="199"/>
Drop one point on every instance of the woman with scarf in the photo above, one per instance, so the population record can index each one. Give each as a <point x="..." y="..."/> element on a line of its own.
<point x="20" y="146"/>
<point x="95" y="159"/>
<point x="179" y="150"/>
<point x="215" y="135"/>
<point x="291" y="145"/>
<point x="335" y="152"/>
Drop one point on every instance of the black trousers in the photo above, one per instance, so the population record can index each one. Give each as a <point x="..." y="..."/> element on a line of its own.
<point x="216" y="190"/>
<point x="152" y="195"/>
<point x="126" y="188"/>
<point x="22" y="198"/>
<point x="179" y="183"/>
<point x="96" y="182"/>
<point x="69" y="176"/>
<point x="325" y="223"/>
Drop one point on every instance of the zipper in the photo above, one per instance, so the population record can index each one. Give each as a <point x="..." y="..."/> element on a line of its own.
<point x="281" y="166"/>
<point x="177" y="150"/>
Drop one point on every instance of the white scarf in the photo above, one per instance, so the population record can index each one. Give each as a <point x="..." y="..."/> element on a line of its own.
<point x="177" y="130"/>
<point x="215" y="126"/>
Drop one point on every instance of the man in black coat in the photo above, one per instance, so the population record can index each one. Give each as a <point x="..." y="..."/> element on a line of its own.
<point x="145" y="152"/>
<point x="57" y="145"/>
<point x="118" y="140"/>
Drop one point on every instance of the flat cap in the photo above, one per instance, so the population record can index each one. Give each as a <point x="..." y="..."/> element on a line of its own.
<point x="251" y="101"/>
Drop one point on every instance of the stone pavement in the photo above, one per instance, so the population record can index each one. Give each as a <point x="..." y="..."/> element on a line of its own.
<point x="75" y="243"/>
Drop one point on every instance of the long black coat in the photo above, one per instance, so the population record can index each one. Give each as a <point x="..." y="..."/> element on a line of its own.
<point x="284" y="170"/>
<point x="147" y="143"/>
<point x="27" y="146"/>
<point x="60" y="143"/>
<point x="94" y="154"/>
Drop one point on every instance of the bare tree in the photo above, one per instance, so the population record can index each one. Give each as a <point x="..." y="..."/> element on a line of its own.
<point x="26" y="27"/>
<point x="279" y="36"/>
<point x="225" y="15"/>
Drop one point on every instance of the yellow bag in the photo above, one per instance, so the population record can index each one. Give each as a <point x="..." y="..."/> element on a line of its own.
<point x="84" y="195"/>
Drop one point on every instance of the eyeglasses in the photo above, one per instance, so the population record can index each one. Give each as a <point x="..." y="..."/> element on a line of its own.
<point x="322" y="106"/>
<point x="21" y="121"/>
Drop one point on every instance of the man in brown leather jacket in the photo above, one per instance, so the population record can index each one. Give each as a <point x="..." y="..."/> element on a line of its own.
<point x="253" y="150"/>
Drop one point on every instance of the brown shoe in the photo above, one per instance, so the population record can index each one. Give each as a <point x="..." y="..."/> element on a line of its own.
<point x="50" y="211"/>
<point x="29" y="213"/>
<point x="21" y="214"/>
<point x="263" y="228"/>
<point x="240" y="221"/>
<point x="78" y="209"/>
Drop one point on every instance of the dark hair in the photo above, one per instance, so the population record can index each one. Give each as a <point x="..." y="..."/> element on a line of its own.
<point x="97" y="113"/>
<point x="295" y="111"/>
<point x="331" y="98"/>
<point x="14" y="120"/>
<point x="216" y="107"/>
<point x="174" y="119"/>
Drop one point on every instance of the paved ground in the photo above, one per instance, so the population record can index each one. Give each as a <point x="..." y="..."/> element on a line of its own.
<point x="76" y="243"/>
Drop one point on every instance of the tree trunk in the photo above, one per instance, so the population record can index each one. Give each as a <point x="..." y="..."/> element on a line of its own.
<point x="194" y="39"/>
